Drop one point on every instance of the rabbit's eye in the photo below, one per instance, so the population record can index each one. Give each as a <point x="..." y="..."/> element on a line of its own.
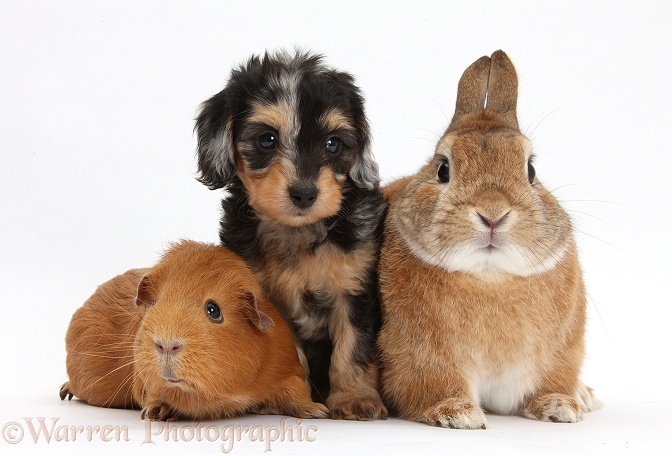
<point x="531" y="172"/>
<point x="444" y="172"/>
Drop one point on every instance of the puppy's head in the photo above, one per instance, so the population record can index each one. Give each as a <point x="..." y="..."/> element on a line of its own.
<point x="293" y="130"/>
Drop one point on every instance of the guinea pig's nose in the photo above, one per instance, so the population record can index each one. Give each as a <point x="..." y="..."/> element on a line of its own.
<point x="168" y="347"/>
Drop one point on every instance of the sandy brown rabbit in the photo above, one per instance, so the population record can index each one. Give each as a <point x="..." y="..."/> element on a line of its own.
<point x="193" y="337"/>
<point x="484" y="305"/>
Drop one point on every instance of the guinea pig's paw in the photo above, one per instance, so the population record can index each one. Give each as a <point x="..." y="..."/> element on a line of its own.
<point x="455" y="413"/>
<point x="347" y="406"/>
<point x="309" y="410"/>
<point x="65" y="391"/>
<point x="558" y="408"/>
<point x="157" y="411"/>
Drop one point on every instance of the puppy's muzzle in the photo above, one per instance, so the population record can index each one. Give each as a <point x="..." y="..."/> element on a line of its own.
<point x="303" y="194"/>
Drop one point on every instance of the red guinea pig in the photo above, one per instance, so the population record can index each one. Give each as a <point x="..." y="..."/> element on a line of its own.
<point x="193" y="337"/>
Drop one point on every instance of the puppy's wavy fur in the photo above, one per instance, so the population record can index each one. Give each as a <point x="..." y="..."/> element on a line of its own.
<point x="193" y="337"/>
<point x="484" y="304"/>
<point x="289" y="140"/>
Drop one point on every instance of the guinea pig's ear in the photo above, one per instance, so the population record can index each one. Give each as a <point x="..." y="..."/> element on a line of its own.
<point x="145" y="296"/>
<point x="215" y="150"/>
<point x="252" y="312"/>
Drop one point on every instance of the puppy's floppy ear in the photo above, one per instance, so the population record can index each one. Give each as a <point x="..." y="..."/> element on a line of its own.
<point x="364" y="171"/>
<point x="216" y="161"/>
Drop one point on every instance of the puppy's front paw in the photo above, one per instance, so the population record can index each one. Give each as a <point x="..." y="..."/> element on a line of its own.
<point x="157" y="411"/>
<point x="304" y="410"/>
<point x="558" y="408"/>
<point x="455" y="413"/>
<point x="346" y="406"/>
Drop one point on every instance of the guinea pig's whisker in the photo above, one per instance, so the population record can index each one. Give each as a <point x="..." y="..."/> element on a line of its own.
<point x="116" y="335"/>
<point x="91" y="385"/>
<point x="104" y="355"/>
<point x="108" y="350"/>
<point x="124" y="382"/>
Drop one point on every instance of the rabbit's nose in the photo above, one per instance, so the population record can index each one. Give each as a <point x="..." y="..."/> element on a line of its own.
<point x="492" y="224"/>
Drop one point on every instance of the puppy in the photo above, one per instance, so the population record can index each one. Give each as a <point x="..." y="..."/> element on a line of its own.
<point x="289" y="140"/>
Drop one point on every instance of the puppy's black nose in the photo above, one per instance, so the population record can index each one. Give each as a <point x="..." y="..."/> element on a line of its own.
<point x="303" y="194"/>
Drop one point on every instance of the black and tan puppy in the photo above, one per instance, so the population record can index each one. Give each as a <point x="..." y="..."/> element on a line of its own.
<point x="289" y="140"/>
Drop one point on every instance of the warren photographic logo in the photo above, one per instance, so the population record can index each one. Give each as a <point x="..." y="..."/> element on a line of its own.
<point x="227" y="436"/>
<point x="50" y="430"/>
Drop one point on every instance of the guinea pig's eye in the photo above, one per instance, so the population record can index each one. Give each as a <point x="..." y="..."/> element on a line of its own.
<point x="213" y="311"/>
<point x="268" y="140"/>
<point x="333" y="145"/>
<point x="531" y="172"/>
<point x="443" y="173"/>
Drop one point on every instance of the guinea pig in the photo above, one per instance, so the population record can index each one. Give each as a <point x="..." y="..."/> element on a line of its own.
<point x="193" y="337"/>
<point x="483" y="299"/>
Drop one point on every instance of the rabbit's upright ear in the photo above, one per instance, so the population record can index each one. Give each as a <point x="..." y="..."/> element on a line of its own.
<point x="503" y="89"/>
<point x="471" y="90"/>
<point x="488" y="83"/>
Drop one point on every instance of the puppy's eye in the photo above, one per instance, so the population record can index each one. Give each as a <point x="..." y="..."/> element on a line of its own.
<point x="333" y="145"/>
<point x="531" y="172"/>
<point x="268" y="140"/>
<point x="443" y="174"/>
<point x="213" y="311"/>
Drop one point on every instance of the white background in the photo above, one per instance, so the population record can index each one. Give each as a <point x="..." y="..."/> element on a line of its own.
<point x="97" y="101"/>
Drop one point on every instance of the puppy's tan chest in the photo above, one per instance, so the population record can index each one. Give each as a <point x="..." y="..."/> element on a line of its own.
<point x="310" y="283"/>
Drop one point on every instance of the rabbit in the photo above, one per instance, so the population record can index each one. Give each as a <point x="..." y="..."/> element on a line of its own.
<point x="193" y="337"/>
<point x="483" y="300"/>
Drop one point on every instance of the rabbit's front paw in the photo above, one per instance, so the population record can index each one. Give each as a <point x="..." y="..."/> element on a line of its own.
<point x="558" y="408"/>
<point x="455" y="413"/>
